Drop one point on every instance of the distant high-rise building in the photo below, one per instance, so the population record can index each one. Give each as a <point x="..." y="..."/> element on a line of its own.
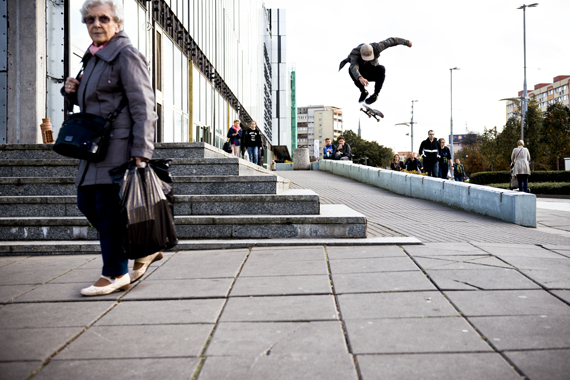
<point x="545" y="94"/>
<point x="318" y="123"/>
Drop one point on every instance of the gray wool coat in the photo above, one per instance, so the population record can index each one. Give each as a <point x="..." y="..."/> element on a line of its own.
<point x="115" y="71"/>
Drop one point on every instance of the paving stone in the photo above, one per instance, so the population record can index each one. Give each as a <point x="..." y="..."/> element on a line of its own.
<point x="461" y="262"/>
<point x="281" y="285"/>
<point x="525" y="332"/>
<point x="18" y="370"/>
<point x="293" y="253"/>
<point x="37" y="269"/>
<point x="48" y="315"/>
<point x="10" y="260"/>
<point x="517" y="250"/>
<point x="286" y="308"/>
<point x="126" y="369"/>
<point x="394" y="305"/>
<point x="162" y="312"/>
<point x="482" y="279"/>
<point x="177" y="289"/>
<point x="542" y="365"/>
<point x="381" y="282"/>
<point x="510" y="302"/>
<point x="33" y="344"/>
<point x="63" y="292"/>
<point x="277" y="338"/>
<point x="446" y="249"/>
<point x="187" y="265"/>
<point x="373" y="265"/>
<point x="536" y="263"/>
<point x="77" y="276"/>
<point x="471" y="366"/>
<point x="335" y="253"/>
<point x="564" y="294"/>
<point x="273" y="267"/>
<point x="413" y="335"/>
<point x="133" y="342"/>
<point x="279" y="367"/>
<point x="556" y="279"/>
<point x="9" y="292"/>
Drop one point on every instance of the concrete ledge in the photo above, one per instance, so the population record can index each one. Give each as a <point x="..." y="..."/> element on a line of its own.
<point x="510" y="206"/>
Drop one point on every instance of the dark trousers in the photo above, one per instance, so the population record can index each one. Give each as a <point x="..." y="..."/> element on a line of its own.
<point x="375" y="74"/>
<point x="100" y="204"/>
<point x="432" y="170"/>
<point x="523" y="182"/>
<point x="443" y="169"/>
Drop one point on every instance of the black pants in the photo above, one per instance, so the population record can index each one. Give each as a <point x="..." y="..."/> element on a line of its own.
<point x="523" y="182"/>
<point x="375" y="74"/>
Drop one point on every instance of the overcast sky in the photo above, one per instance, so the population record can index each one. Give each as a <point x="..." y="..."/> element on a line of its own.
<point x="483" y="38"/>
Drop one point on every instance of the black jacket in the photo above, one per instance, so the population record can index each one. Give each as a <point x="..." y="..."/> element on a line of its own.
<point x="429" y="150"/>
<point x="251" y="138"/>
<point x="345" y="151"/>
<point x="397" y="166"/>
<point x="413" y="165"/>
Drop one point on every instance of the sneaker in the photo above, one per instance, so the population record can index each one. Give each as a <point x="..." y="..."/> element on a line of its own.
<point x="363" y="95"/>
<point x="372" y="99"/>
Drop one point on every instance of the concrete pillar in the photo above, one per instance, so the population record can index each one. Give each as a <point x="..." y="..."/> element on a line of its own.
<point x="26" y="70"/>
<point x="301" y="159"/>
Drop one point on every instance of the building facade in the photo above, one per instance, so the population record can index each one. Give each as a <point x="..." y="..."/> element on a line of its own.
<point x="316" y="123"/>
<point x="210" y="64"/>
<point x="545" y="94"/>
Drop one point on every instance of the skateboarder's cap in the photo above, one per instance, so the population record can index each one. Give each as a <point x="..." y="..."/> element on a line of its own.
<point x="366" y="52"/>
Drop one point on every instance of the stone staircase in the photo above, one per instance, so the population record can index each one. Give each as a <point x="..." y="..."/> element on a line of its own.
<point x="217" y="197"/>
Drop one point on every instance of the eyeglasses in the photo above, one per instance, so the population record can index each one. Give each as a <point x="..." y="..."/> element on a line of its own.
<point x="102" y="19"/>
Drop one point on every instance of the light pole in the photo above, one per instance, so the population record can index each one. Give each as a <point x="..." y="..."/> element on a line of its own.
<point x="412" y="122"/>
<point x="524" y="100"/>
<point x="451" y="120"/>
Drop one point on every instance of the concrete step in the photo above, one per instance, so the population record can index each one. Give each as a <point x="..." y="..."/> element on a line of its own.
<point x="290" y="202"/>
<point x="68" y="168"/>
<point x="334" y="221"/>
<point x="184" y="185"/>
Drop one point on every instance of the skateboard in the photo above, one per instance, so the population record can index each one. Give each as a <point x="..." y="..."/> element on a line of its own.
<point x="371" y="112"/>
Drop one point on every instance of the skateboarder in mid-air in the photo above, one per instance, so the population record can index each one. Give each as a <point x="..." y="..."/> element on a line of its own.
<point x="364" y="66"/>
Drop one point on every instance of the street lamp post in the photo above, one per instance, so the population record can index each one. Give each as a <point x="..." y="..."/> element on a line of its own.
<point x="524" y="99"/>
<point x="451" y="119"/>
<point x="412" y="122"/>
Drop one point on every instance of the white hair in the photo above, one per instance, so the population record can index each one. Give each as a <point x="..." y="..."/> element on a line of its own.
<point x="116" y="9"/>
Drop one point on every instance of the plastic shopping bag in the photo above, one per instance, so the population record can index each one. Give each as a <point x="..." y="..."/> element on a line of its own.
<point x="147" y="204"/>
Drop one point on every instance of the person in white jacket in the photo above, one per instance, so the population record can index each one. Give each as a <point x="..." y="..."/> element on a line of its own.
<point x="520" y="159"/>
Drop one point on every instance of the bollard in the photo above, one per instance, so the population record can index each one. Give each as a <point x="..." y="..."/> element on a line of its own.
<point x="47" y="132"/>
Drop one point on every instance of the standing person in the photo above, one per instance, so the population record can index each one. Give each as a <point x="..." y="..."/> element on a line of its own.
<point x="413" y="164"/>
<point x="429" y="150"/>
<point x="364" y="66"/>
<point x="458" y="171"/>
<point x="520" y="159"/>
<point x="444" y="159"/>
<point x="235" y="134"/>
<point x="343" y="151"/>
<point x="113" y="70"/>
<point x="252" y="142"/>
<point x="328" y="150"/>
<point x="396" y="164"/>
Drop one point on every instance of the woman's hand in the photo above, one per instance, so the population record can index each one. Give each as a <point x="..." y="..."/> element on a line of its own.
<point x="139" y="161"/>
<point x="71" y="85"/>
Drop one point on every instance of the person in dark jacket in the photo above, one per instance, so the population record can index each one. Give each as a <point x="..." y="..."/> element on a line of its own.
<point x="234" y="134"/>
<point x="430" y="151"/>
<point x="458" y="171"/>
<point x="413" y="164"/>
<point x="114" y="69"/>
<point x="396" y="164"/>
<point x="364" y="66"/>
<point x="252" y="142"/>
<point x="342" y="150"/>
<point x="444" y="159"/>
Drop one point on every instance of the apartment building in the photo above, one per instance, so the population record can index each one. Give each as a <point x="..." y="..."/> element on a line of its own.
<point x="315" y="124"/>
<point x="545" y="94"/>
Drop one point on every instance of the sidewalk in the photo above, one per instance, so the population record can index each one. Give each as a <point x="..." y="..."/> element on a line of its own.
<point x="456" y="307"/>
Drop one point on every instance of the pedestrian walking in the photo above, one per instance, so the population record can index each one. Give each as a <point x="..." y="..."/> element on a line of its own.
<point x="458" y="171"/>
<point x="234" y="134"/>
<point x="519" y="161"/>
<point x="112" y="56"/>
<point x="444" y="159"/>
<point x="252" y="142"/>
<point x="429" y="150"/>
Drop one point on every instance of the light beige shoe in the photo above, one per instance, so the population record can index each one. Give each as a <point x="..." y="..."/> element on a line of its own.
<point x="146" y="261"/>
<point x="123" y="283"/>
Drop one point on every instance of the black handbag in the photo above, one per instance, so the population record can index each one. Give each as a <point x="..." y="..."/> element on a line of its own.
<point x="84" y="135"/>
<point x="227" y="147"/>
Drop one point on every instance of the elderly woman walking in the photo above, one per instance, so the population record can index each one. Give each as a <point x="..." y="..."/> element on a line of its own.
<point x="114" y="72"/>
<point x="520" y="159"/>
